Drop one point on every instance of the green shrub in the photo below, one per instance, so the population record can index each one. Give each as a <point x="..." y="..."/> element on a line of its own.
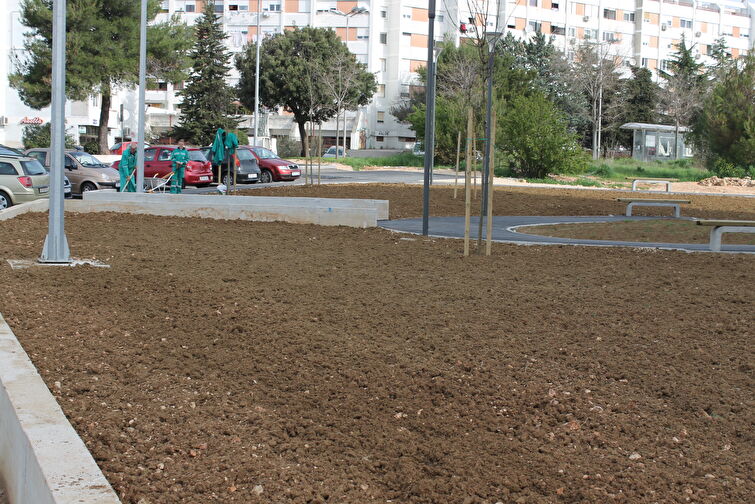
<point x="602" y="171"/>
<point x="38" y="136"/>
<point x="536" y="139"/>
<point x="92" y="147"/>
<point x="724" y="168"/>
<point x="288" y="147"/>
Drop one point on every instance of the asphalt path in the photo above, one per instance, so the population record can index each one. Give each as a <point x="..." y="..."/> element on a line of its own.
<point x="504" y="230"/>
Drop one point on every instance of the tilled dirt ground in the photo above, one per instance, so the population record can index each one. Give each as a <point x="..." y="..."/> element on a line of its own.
<point x="657" y="231"/>
<point x="406" y="201"/>
<point x="221" y="361"/>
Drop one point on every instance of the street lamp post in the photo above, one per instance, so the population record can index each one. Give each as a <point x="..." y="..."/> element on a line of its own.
<point x="353" y="12"/>
<point x="257" y="75"/>
<point x="56" y="249"/>
<point x="142" y="89"/>
<point x="429" y="118"/>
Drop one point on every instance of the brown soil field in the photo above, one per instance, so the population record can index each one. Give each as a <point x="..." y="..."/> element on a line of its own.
<point x="406" y="201"/>
<point x="658" y="231"/>
<point x="222" y="361"/>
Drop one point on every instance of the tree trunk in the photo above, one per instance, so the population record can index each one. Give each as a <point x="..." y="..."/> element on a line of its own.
<point x="104" y="119"/>
<point x="303" y="135"/>
<point x="338" y="124"/>
<point x="594" y="129"/>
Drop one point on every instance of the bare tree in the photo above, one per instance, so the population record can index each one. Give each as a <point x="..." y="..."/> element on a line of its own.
<point x="339" y="80"/>
<point x="595" y="70"/>
<point x="682" y="99"/>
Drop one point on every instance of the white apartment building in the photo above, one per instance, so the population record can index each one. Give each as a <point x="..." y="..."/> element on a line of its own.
<point x="391" y="39"/>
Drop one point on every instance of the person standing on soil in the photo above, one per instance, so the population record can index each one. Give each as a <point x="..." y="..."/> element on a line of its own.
<point x="179" y="158"/>
<point x="127" y="169"/>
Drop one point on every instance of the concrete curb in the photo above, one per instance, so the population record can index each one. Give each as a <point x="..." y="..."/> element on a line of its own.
<point x="42" y="459"/>
<point x="33" y="206"/>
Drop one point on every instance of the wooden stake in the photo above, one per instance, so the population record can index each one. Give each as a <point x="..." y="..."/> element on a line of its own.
<point x="467" y="181"/>
<point x="489" y="228"/>
<point x="474" y="168"/>
<point x="456" y="171"/>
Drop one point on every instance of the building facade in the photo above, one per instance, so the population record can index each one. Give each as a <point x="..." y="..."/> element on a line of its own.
<point x="390" y="37"/>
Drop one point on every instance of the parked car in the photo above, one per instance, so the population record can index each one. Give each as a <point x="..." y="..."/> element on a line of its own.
<point x="9" y="151"/>
<point x="86" y="172"/>
<point x="331" y="152"/>
<point x="121" y="147"/>
<point x="157" y="164"/>
<point x="67" y="193"/>
<point x="22" y="179"/>
<point x="418" y="149"/>
<point x="274" y="168"/>
<point x="245" y="166"/>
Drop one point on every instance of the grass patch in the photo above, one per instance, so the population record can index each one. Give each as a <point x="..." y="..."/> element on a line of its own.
<point x="620" y="169"/>
<point x="400" y="159"/>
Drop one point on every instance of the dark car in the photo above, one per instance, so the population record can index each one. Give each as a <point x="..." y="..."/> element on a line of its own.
<point x="245" y="167"/>
<point x="273" y="168"/>
<point x="157" y="164"/>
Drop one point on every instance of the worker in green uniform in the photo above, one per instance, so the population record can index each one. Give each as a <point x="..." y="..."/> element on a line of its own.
<point x="127" y="169"/>
<point x="179" y="158"/>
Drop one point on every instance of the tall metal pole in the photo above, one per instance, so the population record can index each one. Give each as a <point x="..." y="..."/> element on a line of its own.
<point x="344" y="108"/>
<point x="55" y="249"/>
<point x="257" y="75"/>
<point x="142" y="88"/>
<point x="486" y="164"/>
<point x="429" y="115"/>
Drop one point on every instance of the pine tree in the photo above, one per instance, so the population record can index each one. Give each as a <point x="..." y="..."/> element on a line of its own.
<point x="207" y="98"/>
<point x="642" y="96"/>
<point x="102" y="43"/>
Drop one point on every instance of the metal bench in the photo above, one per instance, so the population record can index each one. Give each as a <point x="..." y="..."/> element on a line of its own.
<point x="635" y="182"/>
<point x="720" y="227"/>
<point x="633" y="202"/>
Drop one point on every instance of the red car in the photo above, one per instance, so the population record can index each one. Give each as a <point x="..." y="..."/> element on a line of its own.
<point x="120" y="147"/>
<point x="157" y="164"/>
<point x="272" y="167"/>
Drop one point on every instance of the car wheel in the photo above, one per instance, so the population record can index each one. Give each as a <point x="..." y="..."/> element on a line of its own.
<point x="5" y="201"/>
<point x="266" y="177"/>
<point x="88" y="186"/>
<point x="227" y="180"/>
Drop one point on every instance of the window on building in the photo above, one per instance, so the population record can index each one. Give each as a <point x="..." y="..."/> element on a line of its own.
<point x="440" y="18"/>
<point x="609" y="37"/>
<point x="609" y="13"/>
<point x="381" y="117"/>
<point x="644" y="62"/>
<point x="535" y="26"/>
<point x="381" y="91"/>
<point x="178" y="85"/>
<point x="686" y="23"/>
<point x="162" y="86"/>
<point x="233" y="7"/>
<point x="164" y="6"/>
<point x="554" y="6"/>
<point x="744" y="32"/>
<point x="629" y="16"/>
<point x="363" y="33"/>
<point x="533" y="3"/>
<point x="383" y="64"/>
<point x="383" y="14"/>
<point x="383" y="38"/>
<point x="558" y="30"/>
<point x="190" y="8"/>
<point x="664" y="65"/>
<point x="219" y="7"/>
<point x="572" y="31"/>
<point x="591" y="34"/>
<point x="379" y="138"/>
<point x="272" y="6"/>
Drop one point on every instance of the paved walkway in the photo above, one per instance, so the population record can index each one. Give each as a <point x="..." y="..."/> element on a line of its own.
<point x="504" y="230"/>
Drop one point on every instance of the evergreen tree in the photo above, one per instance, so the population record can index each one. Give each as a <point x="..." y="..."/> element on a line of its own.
<point x="207" y="98"/>
<point x="727" y="123"/>
<point x="102" y="43"/>
<point x="684" y="89"/>
<point x="642" y="96"/>
<point x="38" y="135"/>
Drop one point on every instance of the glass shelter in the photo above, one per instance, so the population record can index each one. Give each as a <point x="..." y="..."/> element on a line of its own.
<point x="655" y="142"/>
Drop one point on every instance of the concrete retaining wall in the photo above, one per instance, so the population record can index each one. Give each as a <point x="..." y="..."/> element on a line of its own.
<point x="42" y="459"/>
<point x="322" y="211"/>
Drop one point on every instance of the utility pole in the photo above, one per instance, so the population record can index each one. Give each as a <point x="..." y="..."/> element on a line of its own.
<point x="429" y="116"/>
<point x="142" y="89"/>
<point x="55" y="249"/>
<point x="257" y="75"/>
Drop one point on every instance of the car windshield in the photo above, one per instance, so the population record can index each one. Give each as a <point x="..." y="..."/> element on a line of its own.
<point x="196" y="155"/>
<point x="245" y="155"/>
<point x="86" y="159"/>
<point x="33" y="167"/>
<point x="264" y="153"/>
